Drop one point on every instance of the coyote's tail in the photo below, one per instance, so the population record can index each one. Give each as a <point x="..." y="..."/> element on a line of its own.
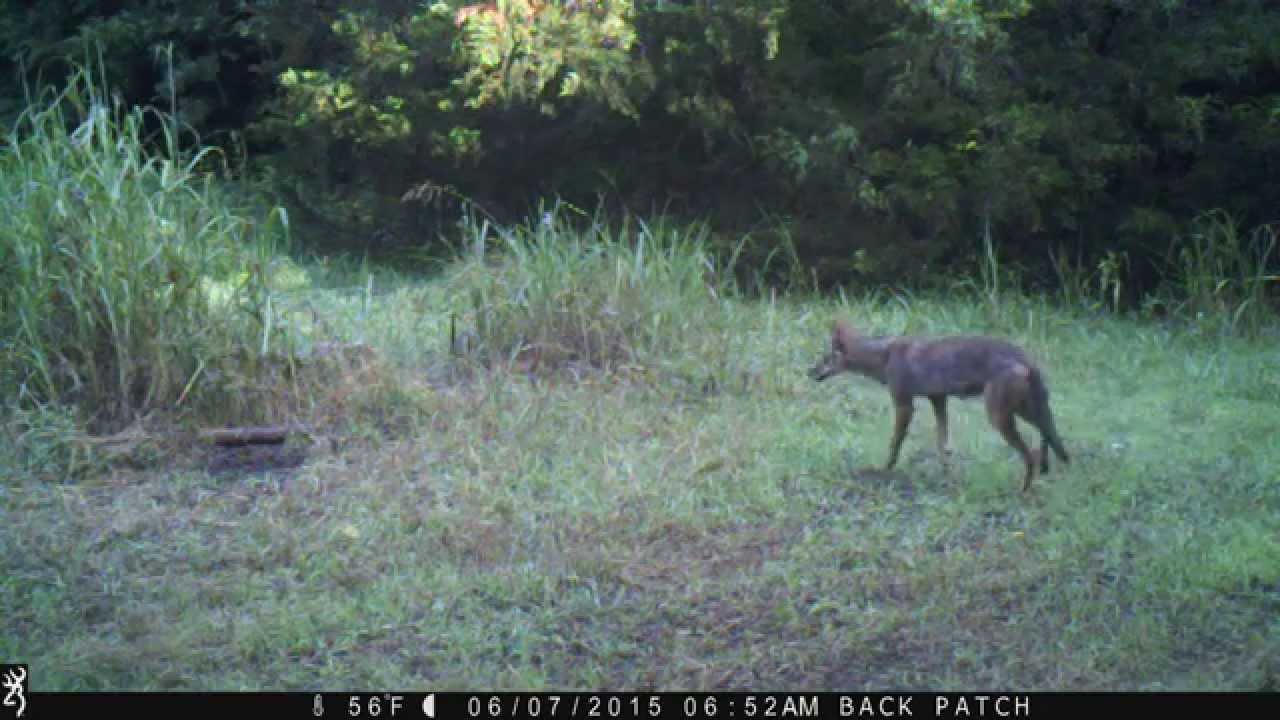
<point x="1040" y="396"/>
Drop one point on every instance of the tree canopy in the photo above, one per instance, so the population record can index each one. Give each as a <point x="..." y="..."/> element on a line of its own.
<point x="873" y="138"/>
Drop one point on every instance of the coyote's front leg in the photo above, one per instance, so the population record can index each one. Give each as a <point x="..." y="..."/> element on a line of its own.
<point x="902" y="418"/>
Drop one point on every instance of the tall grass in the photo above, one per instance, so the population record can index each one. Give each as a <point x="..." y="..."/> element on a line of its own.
<point x="1097" y="289"/>
<point x="124" y="272"/>
<point x="1220" y="274"/>
<point x="601" y="296"/>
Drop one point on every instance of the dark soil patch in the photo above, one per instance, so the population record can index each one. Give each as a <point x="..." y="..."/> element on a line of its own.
<point x="250" y="459"/>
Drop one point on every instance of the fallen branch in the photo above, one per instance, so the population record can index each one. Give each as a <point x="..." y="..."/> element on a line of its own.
<point x="231" y="437"/>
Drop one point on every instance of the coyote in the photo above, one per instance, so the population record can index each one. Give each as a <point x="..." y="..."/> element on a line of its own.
<point x="961" y="366"/>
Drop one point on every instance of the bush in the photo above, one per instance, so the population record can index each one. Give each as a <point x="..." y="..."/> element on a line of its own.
<point x="601" y="296"/>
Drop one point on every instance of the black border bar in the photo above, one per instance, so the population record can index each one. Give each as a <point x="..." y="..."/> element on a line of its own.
<point x="642" y="706"/>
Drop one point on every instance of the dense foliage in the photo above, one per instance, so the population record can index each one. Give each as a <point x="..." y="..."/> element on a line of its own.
<point x="128" y="278"/>
<point x="861" y="136"/>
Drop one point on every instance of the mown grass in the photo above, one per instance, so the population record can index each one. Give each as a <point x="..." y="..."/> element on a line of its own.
<point x="702" y="516"/>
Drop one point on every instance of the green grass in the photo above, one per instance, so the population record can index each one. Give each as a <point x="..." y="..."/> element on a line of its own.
<point x="701" y="516"/>
<point x="128" y="277"/>
<point x="578" y="458"/>
<point x="600" y="297"/>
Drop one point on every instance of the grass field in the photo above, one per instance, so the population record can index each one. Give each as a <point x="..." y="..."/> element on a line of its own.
<point x="706" y="519"/>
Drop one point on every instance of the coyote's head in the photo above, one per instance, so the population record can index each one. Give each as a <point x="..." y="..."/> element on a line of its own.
<point x="841" y="355"/>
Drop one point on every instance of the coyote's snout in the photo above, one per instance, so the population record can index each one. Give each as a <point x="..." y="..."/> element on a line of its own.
<point x="957" y="366"/>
